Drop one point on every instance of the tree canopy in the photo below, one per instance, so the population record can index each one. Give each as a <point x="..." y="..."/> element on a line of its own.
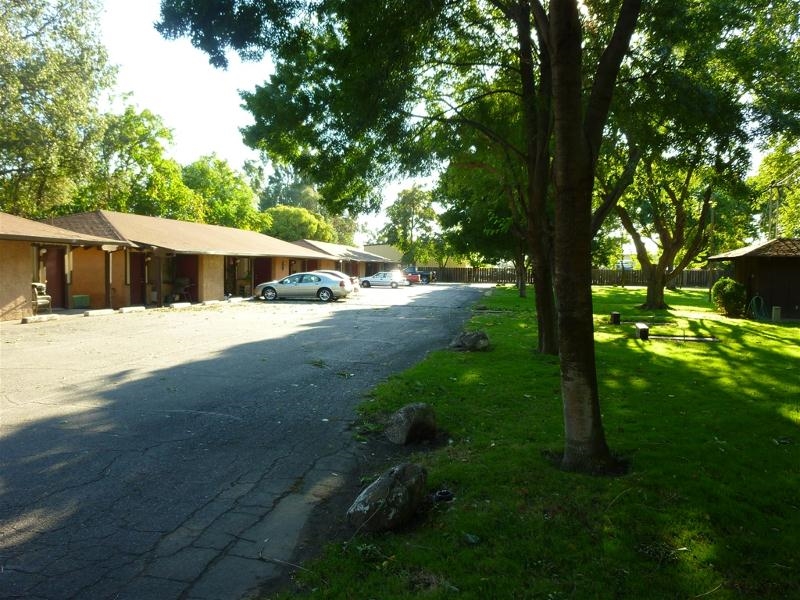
<point x="411" y="224"/>
<point x="777" y="189"/>
<point x="131" y="172"/>
<point x="53" y="68"/>
<point x="360" y="93"/>
<point x="228" y="199"/>
<point x="292" y="223"/>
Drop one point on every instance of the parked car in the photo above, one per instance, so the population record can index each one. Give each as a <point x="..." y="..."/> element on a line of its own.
<point x="419" y="276"/>
<point x="385" y="278"/>
<point x="354" y="281"/>
<point x="305" y="285"/>
<point x="412" y="277"/>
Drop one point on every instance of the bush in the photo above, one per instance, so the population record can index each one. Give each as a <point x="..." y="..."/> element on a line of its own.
<point x="729" y="296"/>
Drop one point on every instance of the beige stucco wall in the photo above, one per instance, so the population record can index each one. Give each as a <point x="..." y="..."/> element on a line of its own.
<point x="16" y="275"/>
<point x="88" y="276"/>
<point x="280" y="268"/>
<point x="332" y="265"/>
<point x="210" y="278"/>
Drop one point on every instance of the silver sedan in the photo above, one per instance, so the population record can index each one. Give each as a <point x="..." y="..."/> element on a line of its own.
<point x="304" y="285"/>
<point x="385" y="278"/>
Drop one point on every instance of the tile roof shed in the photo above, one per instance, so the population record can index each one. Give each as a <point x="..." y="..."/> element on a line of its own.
<point x="770" y="271"/>
<point x="182" y="237"/>
<point x="777" y="248"/>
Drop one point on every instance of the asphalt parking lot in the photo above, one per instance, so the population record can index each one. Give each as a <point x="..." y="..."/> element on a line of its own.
<point x="167" y="453"/>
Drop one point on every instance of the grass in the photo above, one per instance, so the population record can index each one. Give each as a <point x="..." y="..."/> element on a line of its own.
<point x="709" y="509"/>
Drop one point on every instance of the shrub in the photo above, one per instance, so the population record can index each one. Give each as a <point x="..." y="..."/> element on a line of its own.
<point x="730" y="297"/>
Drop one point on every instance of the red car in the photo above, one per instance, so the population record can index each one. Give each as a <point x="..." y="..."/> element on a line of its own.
<point x="414" y="276"/>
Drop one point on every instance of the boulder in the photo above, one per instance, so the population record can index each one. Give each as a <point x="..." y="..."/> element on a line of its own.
<point x="391" y="500"/>
<point x="412" y="423"/>
<point x="471" y="341"/>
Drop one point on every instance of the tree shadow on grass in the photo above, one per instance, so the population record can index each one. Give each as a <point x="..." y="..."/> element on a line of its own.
<point x="715" y="454"/>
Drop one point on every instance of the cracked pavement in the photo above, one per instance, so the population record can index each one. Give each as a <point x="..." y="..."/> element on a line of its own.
<point x="177" y="454"/>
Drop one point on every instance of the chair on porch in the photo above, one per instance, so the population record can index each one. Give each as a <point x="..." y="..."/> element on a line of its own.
<point x="180" y="289"/>
<point x="40" y="298"/>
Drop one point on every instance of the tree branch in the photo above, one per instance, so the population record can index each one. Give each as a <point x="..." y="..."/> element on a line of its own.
<point x="605" y="77"/>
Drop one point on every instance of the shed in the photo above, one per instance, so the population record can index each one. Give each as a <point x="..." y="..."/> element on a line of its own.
<point x="771" y="271"/>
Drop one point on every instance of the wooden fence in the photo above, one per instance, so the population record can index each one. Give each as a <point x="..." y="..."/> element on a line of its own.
<point x="697" y="278"/>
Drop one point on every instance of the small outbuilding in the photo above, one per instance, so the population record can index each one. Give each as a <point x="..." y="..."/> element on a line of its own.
<point x="770" y="271"/>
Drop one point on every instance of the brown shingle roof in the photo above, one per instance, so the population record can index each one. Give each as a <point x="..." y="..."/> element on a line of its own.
<point x="777" y="248"/>
<point x="183" y="237"/>
<point x="17" y="228"/>
<point x="342" y="252"/>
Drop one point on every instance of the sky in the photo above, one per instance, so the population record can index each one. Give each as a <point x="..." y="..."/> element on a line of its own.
<point x="172" y="79"/>
<point x="198" y="102"/>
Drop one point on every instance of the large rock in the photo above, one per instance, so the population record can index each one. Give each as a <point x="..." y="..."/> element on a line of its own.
<point x="471" y="341"/>
<point x="412" y="423"/>
<point x="391" y="500"/>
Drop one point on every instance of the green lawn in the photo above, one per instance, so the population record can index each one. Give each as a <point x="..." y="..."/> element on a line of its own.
<point x="709" y="509"/>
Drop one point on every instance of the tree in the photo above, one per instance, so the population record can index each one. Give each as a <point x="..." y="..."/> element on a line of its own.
<point x="411" y="220"/>
<point x="227" y="196"/>
<point x="52" y="69"/>
<point x="353" y="139"/>
<point x="285" y="187"/>
<point x="422" y="63"/>
<point x="680" y="207"/>
<point x="477" y="219"/>
<point x="292" y="223"/>
<point x="777" y="186"/>
<point x="685" y="148"/>
<point x="482" y="190"/>
<point x="131" y="174"/>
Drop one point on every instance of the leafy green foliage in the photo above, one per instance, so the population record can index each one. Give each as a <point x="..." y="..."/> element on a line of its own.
<point x="730" y="296"/>
<point x="132" y="174"/>
<point x="777" y="185"/>
<point x="53" y="69"/>
<point x="292" y="223"/>
<point x="411" y="221"/>
<point x="286" y="187"/>
<point x="228" y="199"/>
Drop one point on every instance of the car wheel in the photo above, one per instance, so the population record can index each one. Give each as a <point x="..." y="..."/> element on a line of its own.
<point x="269" y="293"/>
<point x="394" y="284"/>
<point x="325" y="295"/>
<point x="365" y="284"/>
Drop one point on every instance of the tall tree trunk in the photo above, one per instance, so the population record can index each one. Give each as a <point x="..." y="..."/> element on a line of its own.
<point x="536" y="110"/>
<point x="577" y="142"/>
<point x="656" y="282"/>
<point x="521" y="273"/>
<point x="546" y="315"/>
